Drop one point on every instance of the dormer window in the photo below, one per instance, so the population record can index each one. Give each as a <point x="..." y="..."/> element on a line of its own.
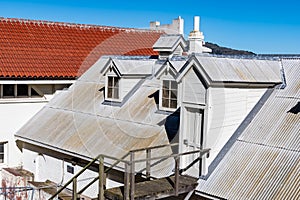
<point x="169" y="94"/>
<point x="113" y="87"/>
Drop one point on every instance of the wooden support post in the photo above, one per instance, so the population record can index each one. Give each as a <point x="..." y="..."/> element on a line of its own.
<point x="132" y="176"/>
<point x="148" y="163"/>
<point x="101" y="178"/>
<point x="74" y="196"/>
<point x="126" y="182"/>
<point x="176" y="184"/>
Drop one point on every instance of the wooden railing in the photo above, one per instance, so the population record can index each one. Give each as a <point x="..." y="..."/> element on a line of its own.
<point x="129" y="178"/>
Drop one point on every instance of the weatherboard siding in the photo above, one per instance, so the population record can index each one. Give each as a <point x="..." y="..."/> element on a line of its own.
<point x="194" y="91"/>
<point x="227" y="108"/>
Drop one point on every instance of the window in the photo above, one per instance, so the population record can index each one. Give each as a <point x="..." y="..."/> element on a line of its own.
<point x="17" y="90"/>
<point x="113" y="87"/>
<point x="9" y="90"/>
<point x="2" y="153"/>
<point x="22" y="90"/>
<point x="70" y="169"/>
<point x="169" y="94"/>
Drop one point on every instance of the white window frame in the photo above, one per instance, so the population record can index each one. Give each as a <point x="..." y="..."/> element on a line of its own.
<point x="161" y="107"/>
<point x="16" y="95"/>
<point x="4" y="153"/>
<point x="119" y="89"/>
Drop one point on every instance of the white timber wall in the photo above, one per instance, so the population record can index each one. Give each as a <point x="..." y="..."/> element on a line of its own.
<point x="15" y="112"/>
<point x="13" y="116"/>
<point x="227" y="108"/>
<point x="193" y="89"/>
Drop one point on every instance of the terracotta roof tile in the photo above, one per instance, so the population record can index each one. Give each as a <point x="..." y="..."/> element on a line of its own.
<point x="42" y="49"/>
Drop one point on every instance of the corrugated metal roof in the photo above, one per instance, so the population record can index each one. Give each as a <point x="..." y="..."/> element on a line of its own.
<point x="251" y="171"/>
<point x="240" y="69"/>
<point x="77" y="121"/>
<point x="178" y="64"/>
<point x="264" y="162"/>
<point x="134" y="67"/>
<point x="168" y="42"/>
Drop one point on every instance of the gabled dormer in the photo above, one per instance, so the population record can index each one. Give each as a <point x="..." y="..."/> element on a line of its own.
<point x="168" y="95"/>
<point x="123" y="75"/>
<point x="169" y="45"/>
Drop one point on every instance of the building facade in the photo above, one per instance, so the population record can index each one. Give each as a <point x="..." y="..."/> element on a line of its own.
<point x="124" y="103"/>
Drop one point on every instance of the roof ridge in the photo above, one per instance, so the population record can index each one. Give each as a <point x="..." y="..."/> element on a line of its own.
<point x="77" y="25"/>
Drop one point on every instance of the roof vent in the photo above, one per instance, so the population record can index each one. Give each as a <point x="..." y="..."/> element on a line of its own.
<point x="169" y="45"/>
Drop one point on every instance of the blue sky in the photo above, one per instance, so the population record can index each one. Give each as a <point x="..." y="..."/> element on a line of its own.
<point x="259" y="26"/>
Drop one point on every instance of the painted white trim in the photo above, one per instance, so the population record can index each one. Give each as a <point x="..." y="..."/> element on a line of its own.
<point x="160" y="97"/>
<point x="166" y="67"/>
<point x="37" y="82"/>
<point x="24" y="100"/>
<point x="194" y="62"/>
<point x="120" y="89"/>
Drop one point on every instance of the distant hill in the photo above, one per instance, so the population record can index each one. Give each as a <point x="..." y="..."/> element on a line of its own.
<point x="216" y="49"/>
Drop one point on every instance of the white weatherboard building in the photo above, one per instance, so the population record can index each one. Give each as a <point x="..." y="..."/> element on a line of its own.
<point x="123" y="103"/>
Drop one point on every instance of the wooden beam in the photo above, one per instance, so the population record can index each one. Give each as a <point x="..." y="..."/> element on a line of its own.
<point x="132" y="175"/>
<point x="148" y="163"/>
<point x="74" y="196"/>
<point x="126" y="183"/>
<point x="101" y="179"/>
<point x="176" y="184"/>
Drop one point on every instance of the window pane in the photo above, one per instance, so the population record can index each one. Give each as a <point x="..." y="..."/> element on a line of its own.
<point x="116" y="82"/>
<point x="110" y="81"/>
<point x="34" y="93"/>
<point x="173" y="104"/>
<point x="116" y="93"/>
<point x="165" y="103"/>
<point x="109" y="92"/>
<point x="165" y="93"/>
<point x="1" y="153"/>
<point x="166" y="84"/>
<point x="174" y="85"/>
<point x="22" y="90"/>
<point x="173" y="94"/>
<point x="8" y="90"/>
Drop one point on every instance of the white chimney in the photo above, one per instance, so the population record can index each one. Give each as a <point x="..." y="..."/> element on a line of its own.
<point x="196" y="38"/>
<point x="196" y="23"/>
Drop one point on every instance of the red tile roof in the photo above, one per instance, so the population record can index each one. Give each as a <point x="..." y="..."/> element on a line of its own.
<point x="42" y="49"/>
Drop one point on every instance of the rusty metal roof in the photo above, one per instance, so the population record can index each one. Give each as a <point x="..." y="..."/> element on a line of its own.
<point x="264" y="162"/>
